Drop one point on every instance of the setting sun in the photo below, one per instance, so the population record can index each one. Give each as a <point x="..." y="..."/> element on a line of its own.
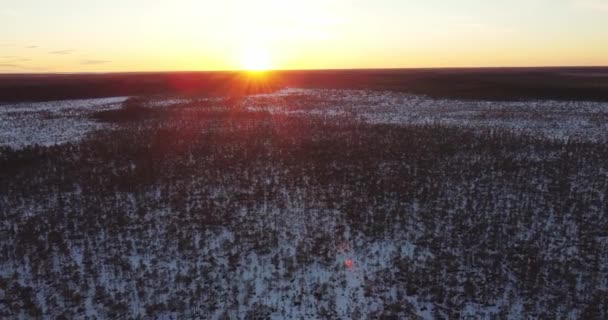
<point x="255" y="59"/>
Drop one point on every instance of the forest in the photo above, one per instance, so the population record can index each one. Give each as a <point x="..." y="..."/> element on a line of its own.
<point x="310" y="204"/>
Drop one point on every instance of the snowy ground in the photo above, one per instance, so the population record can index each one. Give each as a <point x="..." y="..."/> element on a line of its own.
<point x="56" y="122"/>
<point x="50" y="123"/>
<point x="553" y="119"/>
<point x="283" y="209"/>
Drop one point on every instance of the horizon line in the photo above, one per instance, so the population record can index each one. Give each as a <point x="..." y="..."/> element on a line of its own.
<point x="312" y="69"/>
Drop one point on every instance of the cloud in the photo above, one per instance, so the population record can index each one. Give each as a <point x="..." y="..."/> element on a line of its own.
<point x="32" y="47"/>
<point x="595" y="5"/>
<point x="9" y="65"/>
<point x="90" y="62"/>
<point x="62" y="52"/>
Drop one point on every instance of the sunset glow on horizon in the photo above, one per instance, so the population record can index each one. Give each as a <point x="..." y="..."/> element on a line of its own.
<point x="140" y="35"/>
<point x="256" y="58"/>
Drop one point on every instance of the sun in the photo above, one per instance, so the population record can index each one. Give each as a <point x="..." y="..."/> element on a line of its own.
<point x="255" y="59"/>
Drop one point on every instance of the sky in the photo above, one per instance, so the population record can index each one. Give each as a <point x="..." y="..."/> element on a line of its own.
<point x="155" y="35"/>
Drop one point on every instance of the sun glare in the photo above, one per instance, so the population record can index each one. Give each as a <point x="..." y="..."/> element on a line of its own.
<point x="255" y="59"/>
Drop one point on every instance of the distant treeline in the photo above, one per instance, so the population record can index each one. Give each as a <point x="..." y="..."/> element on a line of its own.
<point x="476" y="84"/>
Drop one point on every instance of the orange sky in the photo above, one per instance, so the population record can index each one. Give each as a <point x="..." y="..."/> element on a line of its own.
<point x="150" y="35"/>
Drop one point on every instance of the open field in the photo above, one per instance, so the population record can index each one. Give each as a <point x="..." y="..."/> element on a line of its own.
<point x="309" y="203"/>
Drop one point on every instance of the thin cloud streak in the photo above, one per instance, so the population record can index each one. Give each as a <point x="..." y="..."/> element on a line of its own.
<point x="93" y="62"/>
<point x="62" y="52"/>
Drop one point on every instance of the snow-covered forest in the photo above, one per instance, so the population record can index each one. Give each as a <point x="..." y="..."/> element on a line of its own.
<point x="304" y="204"/>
